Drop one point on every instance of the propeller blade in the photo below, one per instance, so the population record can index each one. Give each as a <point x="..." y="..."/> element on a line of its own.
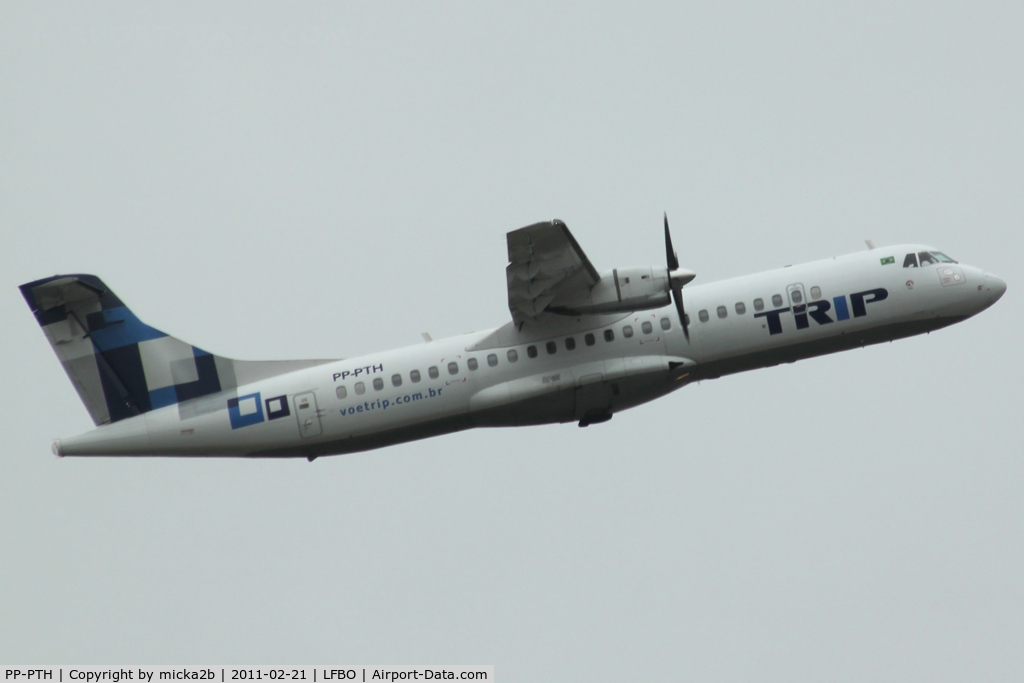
<point x="677" y="297"/>
<point x="670" y="253"/>
<point x="677" y="292"/>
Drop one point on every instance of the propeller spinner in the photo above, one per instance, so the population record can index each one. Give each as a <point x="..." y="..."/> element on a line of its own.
<point x="677" y="277"/>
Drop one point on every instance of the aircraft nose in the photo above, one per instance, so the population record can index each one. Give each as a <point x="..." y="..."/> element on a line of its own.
<point x="990" y="289"/>
<point x="996" y="286"/>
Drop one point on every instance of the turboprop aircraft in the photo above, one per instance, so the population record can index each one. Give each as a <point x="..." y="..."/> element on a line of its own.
<point x="581" y="346"/>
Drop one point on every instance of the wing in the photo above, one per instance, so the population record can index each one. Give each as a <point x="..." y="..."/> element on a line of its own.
<point x="546" y="268"/>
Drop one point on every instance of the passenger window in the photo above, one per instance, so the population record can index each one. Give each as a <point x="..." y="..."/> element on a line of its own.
<point x="815" y="293"/>
<point x="722" y="311"/>
<point x="513" y="356"/>
<point x="492" y="359"/>
<point x="531" y="351"/>
<point x="758" y="304"/>
<point x="396" y="380"/>
<point x="551" y="347"/>
<point x="741" y="308"/>
<point x="414" y="376"/>
<point x="588" y="339"/>
<point x="453" y="368"/>
<point x="570" y="343"/>
<point x="666" y="324"/>
<point x="627" y="331"/>
<point x="473" y="365"/>
<point x="342" y="392"/>
<point x="432" y="371"/>
<point x="378" y="384"/>
<point x="796" y="296"/>
<point x="703" y="315"/>
<point x="360" y="388"/>
<point x="609" y="335"/>
<point x="647" y="327"/>
<point x="776" y="300"/>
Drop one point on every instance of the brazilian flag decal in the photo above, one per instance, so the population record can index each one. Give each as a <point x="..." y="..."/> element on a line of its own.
<point x="888" y="259"/>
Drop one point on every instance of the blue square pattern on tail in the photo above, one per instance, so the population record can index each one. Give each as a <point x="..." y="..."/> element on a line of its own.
<point x="277" y="407"/>
<point x="164" y="396"/>
<point x="116" y="327"/>
<point x="245" y="410"/>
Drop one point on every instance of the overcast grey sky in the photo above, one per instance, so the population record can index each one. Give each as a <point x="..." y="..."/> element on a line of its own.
<point x="323" y="180"/>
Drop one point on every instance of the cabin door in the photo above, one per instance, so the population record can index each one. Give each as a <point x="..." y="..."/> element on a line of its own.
<point x="797" y="295"/>
<point x="308" y="415"/>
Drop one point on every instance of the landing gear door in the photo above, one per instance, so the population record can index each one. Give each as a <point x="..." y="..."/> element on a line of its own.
<point x="593" y="400"/>
<point x="308" y="415"/>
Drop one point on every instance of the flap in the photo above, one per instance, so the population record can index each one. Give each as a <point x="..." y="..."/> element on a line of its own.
<point x="546" y="266"/>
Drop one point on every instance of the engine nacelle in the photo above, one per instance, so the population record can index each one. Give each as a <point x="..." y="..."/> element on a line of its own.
<point x="624" y="290"/>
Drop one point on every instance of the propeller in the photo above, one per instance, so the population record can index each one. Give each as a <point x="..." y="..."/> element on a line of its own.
<point x="677" y="277"/>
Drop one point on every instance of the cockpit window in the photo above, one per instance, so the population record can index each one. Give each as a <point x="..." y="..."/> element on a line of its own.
<point x="927" y="258"/>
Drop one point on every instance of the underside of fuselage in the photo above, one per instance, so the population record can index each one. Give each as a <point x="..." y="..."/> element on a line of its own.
<point x="820" y="347"/>
<point x="585" y="405"/>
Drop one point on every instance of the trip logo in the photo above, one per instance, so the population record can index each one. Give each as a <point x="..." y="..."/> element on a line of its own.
<point x="818" y="311"/>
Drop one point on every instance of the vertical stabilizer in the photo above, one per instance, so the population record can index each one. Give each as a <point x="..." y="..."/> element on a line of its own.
<point x="120" y="366"/>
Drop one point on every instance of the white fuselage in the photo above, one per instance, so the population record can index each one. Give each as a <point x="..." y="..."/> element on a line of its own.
<point x="509" y="376"/>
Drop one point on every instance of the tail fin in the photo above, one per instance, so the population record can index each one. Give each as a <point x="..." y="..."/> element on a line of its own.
<point x="122" y="367"/>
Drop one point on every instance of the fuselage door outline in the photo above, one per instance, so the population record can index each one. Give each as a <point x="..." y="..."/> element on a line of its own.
<point x="307" y="414"/>
<point x="798" y="300"/>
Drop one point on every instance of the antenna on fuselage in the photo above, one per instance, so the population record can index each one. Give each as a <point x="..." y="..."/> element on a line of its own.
<point x="871" y="245"/>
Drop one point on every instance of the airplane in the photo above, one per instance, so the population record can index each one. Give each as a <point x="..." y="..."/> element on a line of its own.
<point x="581" y="346"/>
